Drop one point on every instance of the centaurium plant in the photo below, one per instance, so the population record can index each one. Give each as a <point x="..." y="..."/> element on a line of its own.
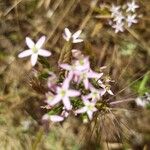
<point x="80" y="90"/>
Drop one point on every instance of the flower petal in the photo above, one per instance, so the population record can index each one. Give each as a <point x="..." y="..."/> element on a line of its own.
<point x="65" y="66"/>
<point x="44" y="53"/>
<point x="40" y="42"/>
<point x="66" y="83"/>
<point x="29" y="42"/>
<point x="34" y="58"/>
<point x="93" y="74"/>
<point x="67" y="103"/>
<point x="25" y="53"/>
<point x="81" y="110"/>
<point x="56" y="100"/>
<point x="67" y="33"/>
<point x="73" y="93"/>
<point x="65" y="37"/>
<point x="77" y="40"/>
<point x="110" y="92"/>
<point x="76" y="34"/>
<point x="90" y="114"/>
<point x="56" y="118"/>
<point x="86" y="83"/>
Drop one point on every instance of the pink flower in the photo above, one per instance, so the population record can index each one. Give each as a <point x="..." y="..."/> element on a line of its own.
<point x="84" y="77"/>
<point x="94" y="94"/>
<point x="63" y="93"/>
<point x="89" y="108"/>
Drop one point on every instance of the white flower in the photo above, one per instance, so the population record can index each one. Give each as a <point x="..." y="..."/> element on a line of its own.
<point x="34" y="50"/>
<point x="132" y="6"/>
<point x="75" y="38"/>
<point x="89" y="108"/>
<point x="53" y="118"/>
<point x="115" y="10"/>
<point x="131" y="19"/>
<point x="63" y="93"/>
<point x="119" y="27"/>
<point x="119" y="18"/>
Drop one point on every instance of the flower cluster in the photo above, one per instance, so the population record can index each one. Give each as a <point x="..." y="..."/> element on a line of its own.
<point x="78" y="93"/>
<point x="123" y="16"/>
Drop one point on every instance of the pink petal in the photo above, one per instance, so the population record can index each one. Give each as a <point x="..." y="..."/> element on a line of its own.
<point x="29" y="42"/>
<point x="67" y="103"/>
<point x="56" y="100"/>
<point x="73" y="93"/>
<point x="86" y="83"/>
<point x="44" y="53"/>
<point x="56" y="118"/>
<point x="40" y="42"/>
<point x="102" y="92"/>
<point x="66" y="83"/>
<point x="45" y="117"/>
<point x="81" y="110"/>
<point x="65" y="66"/>
<point x="34" y="58"/>
<point x="93" y="74"/>
<point x="25" y="53"/>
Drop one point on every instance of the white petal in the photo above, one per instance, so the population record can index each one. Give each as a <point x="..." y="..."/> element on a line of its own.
<point x="90" y="114"/>
<point x="67" y="33"/>
<point x="77" y="40"/>
<point x="81" y="110"/>
<point x="73" y="93"/>
<point x="29" y="42"/>
<point x="65" y="66"/>
<point x="56" y="118"/>
<point x="25" y="53"/>
<point x="40" y="42"/>
<point x="110" y="92"/>
<point x="76" y="34"/>
<point x="56" y="100"/>
<point x="44" y="53"/>
<point x="65" y="37"/>
<point x="34" y="58"/>
<point x="67" y="103"/>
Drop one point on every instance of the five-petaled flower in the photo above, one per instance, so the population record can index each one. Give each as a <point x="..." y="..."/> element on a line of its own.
<point x="131" y="19"/>
<point x="132" y="6"/>
<point x="34" y="50"/>
<point x="89" y="108"/>
<point x="63" y="93"/>
<point x="74" y="38"/>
